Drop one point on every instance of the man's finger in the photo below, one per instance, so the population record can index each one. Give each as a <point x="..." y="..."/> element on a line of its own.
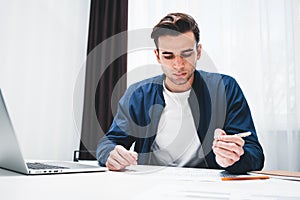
<point x="130" y="157"/>
<point x="229" y="146"/>
<point x="233" y="139"/>
<point x="224" y="162"/>
<point x="218" y="133"/>
<point x="134" y="156"/>
<point x="228" y="154"/>
<point x="112" y="164"/>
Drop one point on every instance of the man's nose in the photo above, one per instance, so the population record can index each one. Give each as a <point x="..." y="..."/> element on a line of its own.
<point x="178" y="62"/>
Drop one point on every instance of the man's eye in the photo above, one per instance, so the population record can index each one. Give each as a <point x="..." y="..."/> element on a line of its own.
<point x="186" y="55"/>
<point x="169" y="57"/>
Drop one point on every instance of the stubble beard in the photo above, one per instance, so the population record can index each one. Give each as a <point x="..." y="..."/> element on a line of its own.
<point x="183" y="81"/>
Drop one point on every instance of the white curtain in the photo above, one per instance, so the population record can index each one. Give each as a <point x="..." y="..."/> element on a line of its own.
<point x="255" y="41"/>
<point x="42" y="52"/>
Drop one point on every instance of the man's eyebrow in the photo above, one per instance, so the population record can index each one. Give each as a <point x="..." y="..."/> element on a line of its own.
<point x="184" y="51"/>
<point x="187" y="50"/>
<point x="166" y="52"/>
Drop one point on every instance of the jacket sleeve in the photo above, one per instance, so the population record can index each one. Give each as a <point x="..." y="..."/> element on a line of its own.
<point x="239" y="119"/>
<point x="118" y="134"/>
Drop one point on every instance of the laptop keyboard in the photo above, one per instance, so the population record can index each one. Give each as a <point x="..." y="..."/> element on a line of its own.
<point x="37" y="165"/>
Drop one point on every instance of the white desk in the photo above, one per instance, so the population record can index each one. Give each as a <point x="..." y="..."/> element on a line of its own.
<point x="146" y="185"/>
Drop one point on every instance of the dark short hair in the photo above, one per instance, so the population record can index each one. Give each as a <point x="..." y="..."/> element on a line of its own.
<point x="174" y="24"/>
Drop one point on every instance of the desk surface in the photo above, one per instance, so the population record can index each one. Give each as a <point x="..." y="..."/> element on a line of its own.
<point x="145" y="183"/>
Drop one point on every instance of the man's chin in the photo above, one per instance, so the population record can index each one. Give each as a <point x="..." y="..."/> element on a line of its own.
<point x="180" y="81"/>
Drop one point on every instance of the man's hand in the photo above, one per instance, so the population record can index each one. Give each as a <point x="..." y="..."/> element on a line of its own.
<point x="119" y="158"/>
<point x="228" y="148"/>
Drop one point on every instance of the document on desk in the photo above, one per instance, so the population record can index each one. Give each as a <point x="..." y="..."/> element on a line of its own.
<point x="177" y="190"/>
<point x="175" y="183"/>
<point x="190" y="174"/>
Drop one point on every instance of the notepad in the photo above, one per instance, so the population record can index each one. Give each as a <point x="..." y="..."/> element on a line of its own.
<point x="282" y="174"/>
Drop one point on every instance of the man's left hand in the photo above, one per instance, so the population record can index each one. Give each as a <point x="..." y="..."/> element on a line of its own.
<point x="227" y="148"/>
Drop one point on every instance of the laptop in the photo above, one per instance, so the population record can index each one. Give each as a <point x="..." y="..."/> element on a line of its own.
<point x="11" y="157"/>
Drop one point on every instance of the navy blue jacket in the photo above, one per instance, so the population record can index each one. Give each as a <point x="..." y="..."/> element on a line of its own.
<point x="216" y="101"/>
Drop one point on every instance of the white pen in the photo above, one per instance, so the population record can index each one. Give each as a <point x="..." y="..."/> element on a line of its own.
<point x="244" y="134"/>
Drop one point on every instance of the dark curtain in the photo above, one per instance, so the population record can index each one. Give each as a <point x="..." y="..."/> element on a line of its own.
<point x="105" y="66"/>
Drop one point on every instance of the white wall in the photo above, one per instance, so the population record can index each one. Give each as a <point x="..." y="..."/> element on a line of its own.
<point x="42" y="54"/>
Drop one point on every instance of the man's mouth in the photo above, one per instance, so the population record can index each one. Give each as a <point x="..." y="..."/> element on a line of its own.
<point x="179" y="74"/>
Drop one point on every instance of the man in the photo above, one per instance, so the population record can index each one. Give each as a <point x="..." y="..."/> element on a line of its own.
<point x="185" y="117"/>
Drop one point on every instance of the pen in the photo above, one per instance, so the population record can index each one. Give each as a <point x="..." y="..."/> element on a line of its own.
<point x="244" y="134"/>
<point x="236" y="178"/>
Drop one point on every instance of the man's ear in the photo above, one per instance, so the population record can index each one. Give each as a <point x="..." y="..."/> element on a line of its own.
<point x="199" y="50"/>
<point x="156" y="51"/>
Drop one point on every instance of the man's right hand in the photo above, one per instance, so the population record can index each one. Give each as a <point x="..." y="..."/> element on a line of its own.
<point x="119" y="158"/>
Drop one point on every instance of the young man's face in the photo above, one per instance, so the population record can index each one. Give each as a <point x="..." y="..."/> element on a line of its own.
<point x="178" y="56"/>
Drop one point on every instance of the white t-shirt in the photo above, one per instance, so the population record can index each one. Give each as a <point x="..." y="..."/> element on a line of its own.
<point x="177" y="142"/>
